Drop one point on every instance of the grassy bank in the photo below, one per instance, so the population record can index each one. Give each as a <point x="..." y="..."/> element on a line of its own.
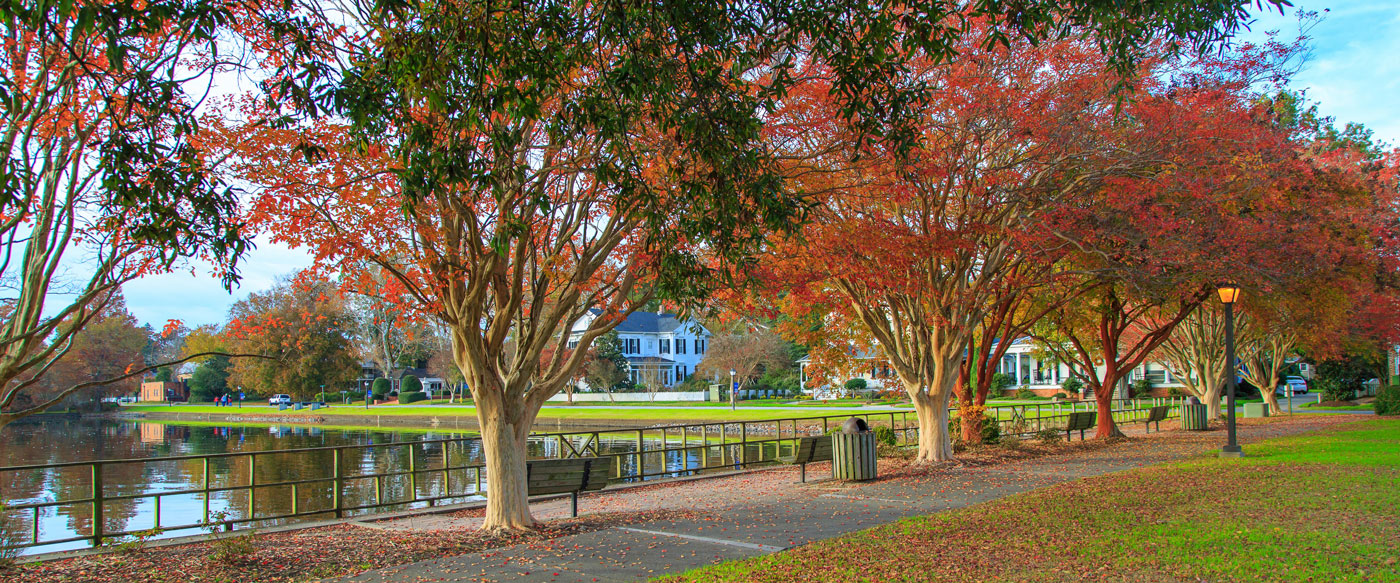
<point x="428" y="412"/>
<point x="1317" y="507"/>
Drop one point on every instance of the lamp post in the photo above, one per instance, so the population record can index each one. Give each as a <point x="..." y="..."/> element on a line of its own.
<point x="1229" y="294"/>
<point x="733" y="391"/>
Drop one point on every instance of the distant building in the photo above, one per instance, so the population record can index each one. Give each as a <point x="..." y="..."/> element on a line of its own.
<point x="656" y="345"/>
<point x="157" y="391"/>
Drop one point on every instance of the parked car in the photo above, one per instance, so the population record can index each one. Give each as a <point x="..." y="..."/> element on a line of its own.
<point x="280" y="400"/>
<point x="1298" y="384"/>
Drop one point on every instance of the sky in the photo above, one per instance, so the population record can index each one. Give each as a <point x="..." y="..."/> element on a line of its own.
<point x="1354" y="75"/>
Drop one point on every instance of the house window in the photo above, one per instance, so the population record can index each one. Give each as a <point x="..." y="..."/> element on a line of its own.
<point x="573" y="344"/>
<point x="666" y="378"/>
<point x="665" y="346"/>
<point x="680" y="373"/>
<point x="680" y="346"/>
<point x="699" y="346"/>
<point x="631" y="346"/>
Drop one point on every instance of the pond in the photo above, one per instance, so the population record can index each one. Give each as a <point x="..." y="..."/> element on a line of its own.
<point x="208" y="489"/>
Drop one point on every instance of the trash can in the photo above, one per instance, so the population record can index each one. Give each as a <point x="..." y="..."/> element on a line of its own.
<point x="1193" y="417"/>
<point x="853" y="451"/>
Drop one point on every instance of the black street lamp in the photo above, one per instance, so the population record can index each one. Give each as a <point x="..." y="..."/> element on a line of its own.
<point x="1229" y="294"/>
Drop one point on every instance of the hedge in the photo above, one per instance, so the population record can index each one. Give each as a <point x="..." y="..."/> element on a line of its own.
<point x="1388" y="400"/>
<point x="410" y="384"/>
<point x="406" y="397"/>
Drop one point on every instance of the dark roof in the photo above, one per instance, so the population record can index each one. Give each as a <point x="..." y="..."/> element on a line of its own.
<point x="648" y="322"/>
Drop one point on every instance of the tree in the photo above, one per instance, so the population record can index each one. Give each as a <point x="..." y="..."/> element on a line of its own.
<point x="210" y="380"/>
<point x="100" y="170"/>
<point x="1214" y="173"/>
<point x="606" y="367"/>
<point x="304" y="325"/>
<point x="98" y="357"/>
<point x="1195" y="353"/>
<point x="629" y="167"/>
<point x="952" y="217"/>
<point x="387" y="329"/>
<point x="750" y="354"/>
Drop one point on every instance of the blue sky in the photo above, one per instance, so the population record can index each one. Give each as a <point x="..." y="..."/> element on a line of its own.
<point x="1354" y="73"/>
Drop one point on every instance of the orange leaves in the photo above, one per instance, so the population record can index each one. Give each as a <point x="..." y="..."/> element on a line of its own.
<point x="172" y="327"/>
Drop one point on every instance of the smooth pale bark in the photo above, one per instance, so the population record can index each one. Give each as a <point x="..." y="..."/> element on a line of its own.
<point x="507" y="498"/>
<point x="931" y="409"/>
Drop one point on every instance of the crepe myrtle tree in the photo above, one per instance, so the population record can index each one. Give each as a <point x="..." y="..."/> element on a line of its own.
<point x="101" y="181"/>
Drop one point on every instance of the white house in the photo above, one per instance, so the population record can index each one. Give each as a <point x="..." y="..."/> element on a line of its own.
<point x="658" y="346"/>
<point x="1043" y="375"/>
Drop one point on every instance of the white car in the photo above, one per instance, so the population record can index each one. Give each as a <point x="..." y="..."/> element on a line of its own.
<point x="280" y="400"/>
<point x="1298" y="384"/>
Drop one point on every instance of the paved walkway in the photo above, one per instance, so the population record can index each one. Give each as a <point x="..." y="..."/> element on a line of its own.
<point x="763" y="512"/>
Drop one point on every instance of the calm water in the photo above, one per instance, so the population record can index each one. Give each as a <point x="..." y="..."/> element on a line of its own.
<point x="78" y="440"/>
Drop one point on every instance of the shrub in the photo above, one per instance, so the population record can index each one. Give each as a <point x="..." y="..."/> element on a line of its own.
<point x="1176" y="392"/>
<point x="1002" y="381"/>
<point x="380" y="387"/>
<point x="1141" y="388"/>
<point x="229" y="550"/>
<point x="1062" y="395"/>
<point x="1072" y="385"/>
<point x="1334" y="390"/>
<point x="1388" y="400"/>
<point x="1025" y="393"/>
<point x="406" y="397"/>
<point x="991" y="430"/>
<point x="1048" y="436"/>
<point x="409" y="384"/>
<point x="885" y="435"/>
<point x="855" y="385"/>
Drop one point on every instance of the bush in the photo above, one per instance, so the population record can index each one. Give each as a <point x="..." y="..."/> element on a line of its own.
<point x="1141" y="388"/>
<point x="1002" y="381"/>
<point x="1072" y="385"/>
<point x="1334" y="390"/>
<point x="412" y="397"/>
<point x="410" y="384"/>
<point x="1025" y="393"/>
<point x="1048" y="436"/>
<point x="885" y="435"/>
<point x="856" y="385"/>
<point x="1388" y="400"/>
<point x="381" y="387"/>
<point x="1176" y="393"/>
<point x="991" y="430"/>
<point x="1062" y="395"/>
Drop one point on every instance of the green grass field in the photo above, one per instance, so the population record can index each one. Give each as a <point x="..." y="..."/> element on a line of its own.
<point x="1317" y="507"/>
<point x="1348" y="408"/>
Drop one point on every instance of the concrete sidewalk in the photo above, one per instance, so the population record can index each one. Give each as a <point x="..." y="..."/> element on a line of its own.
<point x="768" y="511"/>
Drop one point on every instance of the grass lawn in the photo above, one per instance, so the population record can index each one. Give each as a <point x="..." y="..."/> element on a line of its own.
<point x="1348" y="408"/>
<point x="548" y="413"/>
<point x="1317" y="507"/>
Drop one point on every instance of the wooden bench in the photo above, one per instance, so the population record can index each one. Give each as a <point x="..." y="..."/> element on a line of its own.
<point x="1080" y="421"/>
<point x="810" y="450"/>
<point x="566" y="476"/>
<point x="1156" y="415"/>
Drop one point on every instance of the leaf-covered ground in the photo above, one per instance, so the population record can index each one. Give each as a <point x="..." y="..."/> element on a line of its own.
<point x="1316" y="507"/>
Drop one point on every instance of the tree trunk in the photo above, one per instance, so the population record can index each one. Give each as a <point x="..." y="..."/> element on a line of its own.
<point x="507" y="499"/>
<point x="969" y="411"/>
<point x="1103" y="395"/>
<point x="932" y="412"/>
<point x="1212" y="401"/>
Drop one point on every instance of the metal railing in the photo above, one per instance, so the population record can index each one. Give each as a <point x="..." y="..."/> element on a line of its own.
<point x="635" y="454"/>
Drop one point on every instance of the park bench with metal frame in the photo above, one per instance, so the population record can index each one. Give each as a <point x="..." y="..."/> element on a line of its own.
<point x="1156" y="415"/>
<point x="811" y="450"/>
<point x="567" y="476"/>
<point x="1080" y="421"/>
